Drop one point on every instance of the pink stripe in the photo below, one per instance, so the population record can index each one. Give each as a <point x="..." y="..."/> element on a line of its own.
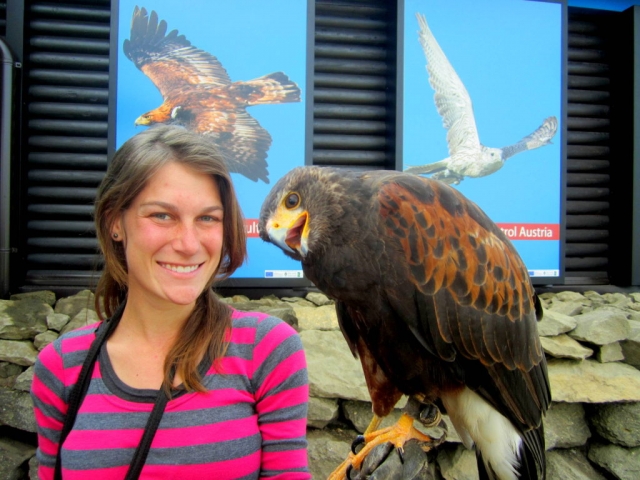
<point x="237" y="314"/>
<point x="45" y="395"/>
<point x="45" y="473"/>
<point x="288" y="429"/>
<point x="225" y="470"/>
<point x="81" y="342"/>
<point x="286" y="460"/>
<point x="284" y="399"/>
<point x="101" y="403"/>
<point x="271" y="341"/>
<point x="46" y="446"/>
<point x="233" y="366"/>
<point x="243" y="335"/>
<point x="113" y="473"/>
<point x="282" y="372"/>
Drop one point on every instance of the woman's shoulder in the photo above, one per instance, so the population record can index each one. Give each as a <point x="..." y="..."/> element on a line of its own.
<point x="262" y="324"/>
<point x="73" y="341"/>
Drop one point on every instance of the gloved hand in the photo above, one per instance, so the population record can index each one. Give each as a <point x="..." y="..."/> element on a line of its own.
<point x="386" y="463"/>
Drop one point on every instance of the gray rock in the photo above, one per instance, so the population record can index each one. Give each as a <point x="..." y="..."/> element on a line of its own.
<point x="555" y="323"/>
<point x="567" y="308"/>
<point x="601" y="327"/>
<point x="565" y="426"/>
<point x="9" y="369"/>
<point x="74" y="304"/>
<point x="322" y="411"/>
<point x="319" y="298"/>
<point x="563" y="346"/>
<point x="360" y="415"/>
<point x="23" y="382"/>
<point x="611" y="352"/>
<point x="618" y="299"/>
<point x="569" y="296"/>
<point x="43" y="339"/>
<point x="570" y="465"/>
<point x="316" y="318"/>
<point x="57" y="321"/>
<point x="622" y="462"/>
<point x="327" y="449"/>
<point x="631" y="346"/>
<point x="589" y="381"/>
<point x="458" y="463"/>
<point x="298" y="301"/>
<point x="635" y="296"/>
<point x="23" y="319"/>
<point x="13" y="458"/>
<point x="16" y="410"/>
<point x="618" y="423"/>
<point x="83" y="318"/>
<point x="41" y="296"/>
<point x="281" y="310"/>
<point x="33" y="468"/>
<point x="18" y="352"/>
<point x="333" y="371"/>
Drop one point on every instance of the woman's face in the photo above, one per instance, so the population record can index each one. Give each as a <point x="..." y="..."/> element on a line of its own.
<point x="172" y="235"/>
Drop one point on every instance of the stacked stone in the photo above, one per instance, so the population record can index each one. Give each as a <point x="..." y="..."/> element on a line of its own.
<point x="592" y="342"/>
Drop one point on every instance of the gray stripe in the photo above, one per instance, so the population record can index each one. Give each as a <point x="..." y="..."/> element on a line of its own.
<point x="283" y="351"/>
<point x="192" y="455"/>
<point x="240" y="350"/>
<point x="47" y="377"/>
<point x="265" y="326"/>
<point x="296" y="412"/>
<point x="284" y="445"/>
<point x="188" y="418"/>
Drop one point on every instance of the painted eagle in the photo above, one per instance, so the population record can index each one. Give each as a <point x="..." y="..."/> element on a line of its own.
<point x="468" y="157"/>
<point x="198" y="93"/>
<point x="433" y="299"/>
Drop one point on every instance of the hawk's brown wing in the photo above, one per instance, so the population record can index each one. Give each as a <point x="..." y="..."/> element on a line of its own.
<point x="170" y="61"/>
<point x="240" y="138"/>
<point x="473" y="294"/>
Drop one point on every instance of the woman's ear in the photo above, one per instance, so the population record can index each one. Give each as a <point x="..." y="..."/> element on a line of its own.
<point x="117" y="232"/>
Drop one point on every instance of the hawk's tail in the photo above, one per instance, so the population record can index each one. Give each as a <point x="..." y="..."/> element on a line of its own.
<point x="273" y="88"/>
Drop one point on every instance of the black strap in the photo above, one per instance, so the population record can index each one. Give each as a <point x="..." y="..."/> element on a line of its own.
<point x="80" y="391"/>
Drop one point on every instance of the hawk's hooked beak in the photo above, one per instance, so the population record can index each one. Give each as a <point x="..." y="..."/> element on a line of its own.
<point x="290" y="230"/>
<point x="142" y="120"/>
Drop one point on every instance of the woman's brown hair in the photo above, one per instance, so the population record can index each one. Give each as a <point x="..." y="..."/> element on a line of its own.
<point x="135" y="162"/>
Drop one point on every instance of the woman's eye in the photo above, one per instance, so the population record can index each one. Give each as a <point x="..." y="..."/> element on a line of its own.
<point x="210" y="218"/>
<point x="292" y="200"/>
<point x="161" y="216"/>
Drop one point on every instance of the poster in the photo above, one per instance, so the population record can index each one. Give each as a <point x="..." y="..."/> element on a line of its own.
<point x="506" y="56"/>
<point x="247" y="52"/>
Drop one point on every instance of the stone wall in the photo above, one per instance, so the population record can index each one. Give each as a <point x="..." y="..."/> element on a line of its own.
<point x="592" y="343"/>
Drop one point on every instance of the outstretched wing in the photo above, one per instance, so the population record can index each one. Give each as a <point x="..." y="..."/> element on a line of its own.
<point x="241" y="140"/>
<point x="539" y="138"/>
<point x="451" y="97"/>
<point x="474" y="303"/>
<point x="170" y="61"/>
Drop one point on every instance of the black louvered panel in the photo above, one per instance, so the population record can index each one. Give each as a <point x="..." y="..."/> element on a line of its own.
<point x="352" y="105"/>
<point x="67" y="71"/>
<point x="3" y="18"/>
<point x="588" y="150"/>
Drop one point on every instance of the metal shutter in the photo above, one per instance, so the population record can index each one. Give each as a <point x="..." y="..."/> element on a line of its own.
<point x="588" y="149"/>
<point x="354" y="95"/>
<point x="66" y="69"/>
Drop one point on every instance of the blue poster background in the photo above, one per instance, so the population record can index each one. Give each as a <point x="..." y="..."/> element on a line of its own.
<point x="508" y="54"/>
<point x="250" y="39"/>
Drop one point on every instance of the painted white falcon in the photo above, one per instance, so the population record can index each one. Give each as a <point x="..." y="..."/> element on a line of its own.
<point x="468" y="157"/>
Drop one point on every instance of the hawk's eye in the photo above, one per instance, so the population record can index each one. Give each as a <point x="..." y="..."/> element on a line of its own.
<point x="292" y="200"/>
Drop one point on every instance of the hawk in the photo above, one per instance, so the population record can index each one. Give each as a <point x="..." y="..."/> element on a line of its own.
<point x="198" y="93"/>
<point x="434" y="300"/>
<point x="468" y="157"/>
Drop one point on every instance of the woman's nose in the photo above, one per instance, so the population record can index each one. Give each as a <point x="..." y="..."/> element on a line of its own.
<point x="187" y="240"/>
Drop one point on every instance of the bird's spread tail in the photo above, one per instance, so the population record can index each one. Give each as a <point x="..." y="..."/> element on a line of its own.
<point x="273" y="88"/>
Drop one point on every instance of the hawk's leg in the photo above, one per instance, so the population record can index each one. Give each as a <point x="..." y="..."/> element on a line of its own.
<point x="397" y="435"/>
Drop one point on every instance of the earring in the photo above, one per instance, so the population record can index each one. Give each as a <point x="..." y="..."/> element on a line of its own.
<point x="115" y="235"/>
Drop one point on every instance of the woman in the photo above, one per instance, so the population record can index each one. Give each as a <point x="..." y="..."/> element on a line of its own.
<point x="234" y="383"/>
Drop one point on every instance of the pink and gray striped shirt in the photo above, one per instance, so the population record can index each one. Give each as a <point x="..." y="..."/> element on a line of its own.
<point x="251" y="422"/>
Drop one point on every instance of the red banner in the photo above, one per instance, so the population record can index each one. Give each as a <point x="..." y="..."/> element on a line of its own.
<point x="531" y="231"/>
<point x="251" y="227"/>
